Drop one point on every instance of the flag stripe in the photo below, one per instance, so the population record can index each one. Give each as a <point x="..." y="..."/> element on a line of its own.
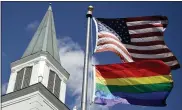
<point x="146" y="30"/>
<point x="145" y="26"/>
<point x="134" y="81"/>
<point x="161" y="55"/>
<point x="149" y="96"/>
<point x="148" y="39"/>
<point x="135" y="23"/>
<point x="172" y="63"/>
<point x="146" y="18"/>
<point x="144" y="68"/>
<point x="168" y="59"/>
<point x="135" y="88"/>
<point x="157" y="51"/>
<point x="111" y="102"/>
<point x="175" y="66"/>
<point x="154" y="47"/>
<point x="108" y="47"/>
<point x="104" y="33"/>
<point x="145" y="35"/>
<point x="105" y="42"/>
<point x="111" y="47"/>
<point x="104" y="49"/>
<point x="131" y="73"/>
<point x="102" y="41"/>
<point x="169" y="63"/>
<point x="151" y="43"/>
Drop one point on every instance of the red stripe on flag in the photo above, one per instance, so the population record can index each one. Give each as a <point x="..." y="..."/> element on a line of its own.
<point x="134" y="69"/>
<point x="147" y="43"/>
<point x="166" y="59"/>
<point x="146" y="18"/>
<point x="111" y="42"/>
<point x="175" y="67"/>
<point x="158" y="51"/>
<point x="112" y="50"/>
<point x="102" y="35"/>
<point x="145" y="26"/>
<point x="149" y="34"/>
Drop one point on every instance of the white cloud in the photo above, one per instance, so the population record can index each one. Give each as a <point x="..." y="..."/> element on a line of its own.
<point x="32" y="26"/>
<point x="72" y="59"/>
<point x="4" y="88"/>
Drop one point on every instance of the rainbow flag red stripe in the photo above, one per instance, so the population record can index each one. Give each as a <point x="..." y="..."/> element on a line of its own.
<point x="137" y="83"/>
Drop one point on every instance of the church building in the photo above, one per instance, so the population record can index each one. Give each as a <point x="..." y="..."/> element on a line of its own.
<point x="38" y="80"/>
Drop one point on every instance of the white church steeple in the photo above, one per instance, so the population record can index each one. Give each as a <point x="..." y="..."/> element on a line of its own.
<point x="40" y="62"/>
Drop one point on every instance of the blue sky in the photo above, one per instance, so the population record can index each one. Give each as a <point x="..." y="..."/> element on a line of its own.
<point x="20" y="20"/>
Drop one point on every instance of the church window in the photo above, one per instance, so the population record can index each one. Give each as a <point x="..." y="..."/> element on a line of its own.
<point x="51" y="80"/>
<point x="27" y="76"/>
<point x="54" y="83"/>
<point x="19" y="79"/>
<point x="23" y="78"/>
<point x="57" y="86"/>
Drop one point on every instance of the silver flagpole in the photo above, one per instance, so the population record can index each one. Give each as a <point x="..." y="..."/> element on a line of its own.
<point x="86" y="62"/>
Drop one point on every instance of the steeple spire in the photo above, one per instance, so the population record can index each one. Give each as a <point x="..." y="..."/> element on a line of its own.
<point x="50" y="8"/>
<point x="44" y="39"/>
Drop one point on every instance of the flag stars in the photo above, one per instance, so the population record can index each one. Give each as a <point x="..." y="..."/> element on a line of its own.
<point x="117" y="27"/>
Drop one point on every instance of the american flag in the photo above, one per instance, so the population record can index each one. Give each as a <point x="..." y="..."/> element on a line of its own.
<point x="135" y="39"/>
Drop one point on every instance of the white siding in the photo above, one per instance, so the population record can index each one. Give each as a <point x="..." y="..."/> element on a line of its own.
<point x="34" y="77"/>
<point x="45" y="75"/>
<point x="33" y="101"/>
<point x="42" y="64"/>
<point x="62" y="91"/>
<point x="11" y="83"/>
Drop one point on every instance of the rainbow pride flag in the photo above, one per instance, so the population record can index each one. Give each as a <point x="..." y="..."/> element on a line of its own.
<point x="146" y="83"/>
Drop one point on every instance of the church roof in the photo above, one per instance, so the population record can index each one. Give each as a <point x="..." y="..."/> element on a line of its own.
<point x="44" y="39"/>
<point x="32" y="89"/>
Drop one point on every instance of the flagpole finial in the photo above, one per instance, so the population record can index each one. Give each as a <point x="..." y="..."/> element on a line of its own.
<point x="90" y="9"/>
